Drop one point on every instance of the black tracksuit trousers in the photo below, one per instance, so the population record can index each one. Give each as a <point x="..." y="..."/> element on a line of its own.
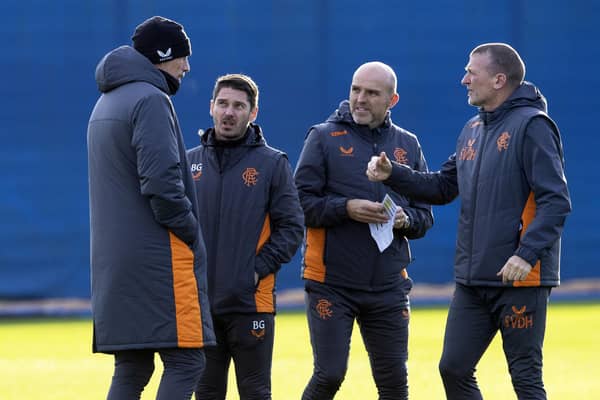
<point x="134" y="368"/>
<point x="247" y="339"/>
<point x="383" y="319"/>
<point x="476" y="313"/>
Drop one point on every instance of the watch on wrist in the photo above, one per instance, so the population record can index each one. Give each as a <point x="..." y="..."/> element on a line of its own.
<point x="406" y="221"/>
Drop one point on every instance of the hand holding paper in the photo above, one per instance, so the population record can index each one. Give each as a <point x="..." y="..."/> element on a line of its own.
<point x="383" y="233"/>
<point x="366" y="211"/>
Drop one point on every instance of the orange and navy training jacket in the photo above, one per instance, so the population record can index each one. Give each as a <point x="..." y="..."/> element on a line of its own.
<point x="250" y="216"/>
<point x="509" y="172"/>
<point x="148" y="262"/>
<point x="331" y="170"/>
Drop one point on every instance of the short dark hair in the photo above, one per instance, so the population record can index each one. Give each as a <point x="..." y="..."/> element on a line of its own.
<point x="238" y="82"/>
<point x="505" y="60"/>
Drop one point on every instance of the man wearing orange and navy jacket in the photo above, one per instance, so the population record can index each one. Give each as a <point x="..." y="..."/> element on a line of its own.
<point x="252" y="223"/>
<point x="509" y="171"/>
<point x="148" y="260"/>
<point x="347" y="278"/>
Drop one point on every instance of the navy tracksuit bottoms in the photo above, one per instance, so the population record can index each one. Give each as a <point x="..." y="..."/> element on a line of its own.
<point x="383" y="319"/>
<point x="476" y="314"/>
<point x="248" y="340"/>
<point x="133" y="369"/>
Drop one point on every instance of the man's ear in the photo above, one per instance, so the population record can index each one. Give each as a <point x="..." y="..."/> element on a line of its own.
<point x="500" y="81"/>
<point x="253" y="114"/>
<point x="210" y="107"/>
<point x="394" y="100"/>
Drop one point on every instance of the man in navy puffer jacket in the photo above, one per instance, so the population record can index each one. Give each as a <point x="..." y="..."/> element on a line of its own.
<point x="252" y="223"/>
<point x="508" y="169"/>
<point x="346" y="277"/>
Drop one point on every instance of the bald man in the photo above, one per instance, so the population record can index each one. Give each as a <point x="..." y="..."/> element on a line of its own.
<point x="347" y="278"/>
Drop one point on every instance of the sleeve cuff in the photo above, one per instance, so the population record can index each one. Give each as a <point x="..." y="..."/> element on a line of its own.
<point x="396" y="175"/>
<point x="261" y="269"/>
<point x="340" y="207"/>
<point x="527" y="255"/>
<point x="409" y="220"/>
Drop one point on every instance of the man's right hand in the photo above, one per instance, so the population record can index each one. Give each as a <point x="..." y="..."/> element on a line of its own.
<point x="366" y="211"/>
<point x="379" y="168"/>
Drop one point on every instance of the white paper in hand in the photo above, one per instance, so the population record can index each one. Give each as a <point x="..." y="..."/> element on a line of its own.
<point x="384" y="233"/>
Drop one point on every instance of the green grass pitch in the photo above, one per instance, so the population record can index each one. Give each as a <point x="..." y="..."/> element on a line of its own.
<point x="52" y="359"/>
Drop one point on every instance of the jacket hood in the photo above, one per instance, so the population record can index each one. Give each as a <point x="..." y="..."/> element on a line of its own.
<point x="255" y="137"/>
<point x="124" y="65"/>
<point x="526" y="95"/>
<point x="343" y="115"/>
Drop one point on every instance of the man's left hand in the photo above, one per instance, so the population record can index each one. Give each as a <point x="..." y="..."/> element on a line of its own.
<point x="515" y="269"/>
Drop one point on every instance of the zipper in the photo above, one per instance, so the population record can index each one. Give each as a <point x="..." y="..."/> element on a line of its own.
<point x="210" y="159"/>
<point x="484" y="139"/>
<point x="375" y="135"/>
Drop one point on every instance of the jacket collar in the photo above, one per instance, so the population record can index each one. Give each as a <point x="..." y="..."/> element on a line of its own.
<point x="254" y="137"/>
<point x="526" y="95"/>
